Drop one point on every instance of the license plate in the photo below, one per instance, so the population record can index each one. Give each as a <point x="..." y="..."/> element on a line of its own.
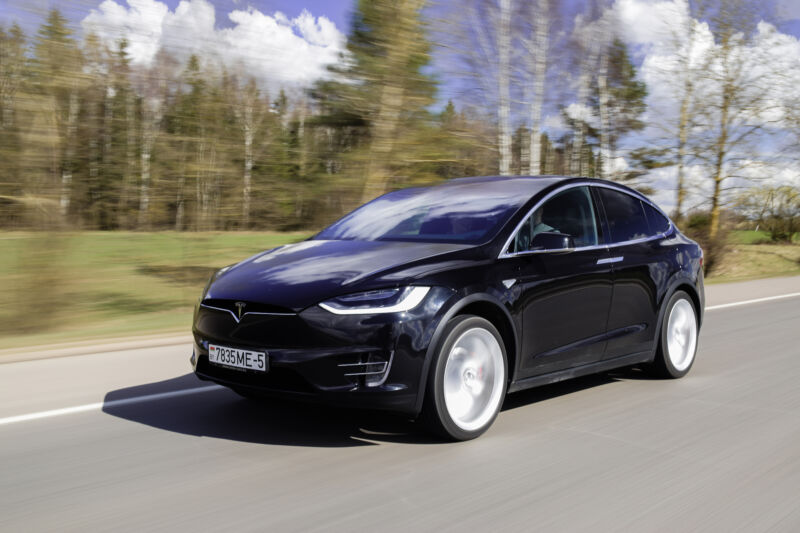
<point x="238" y="358"/>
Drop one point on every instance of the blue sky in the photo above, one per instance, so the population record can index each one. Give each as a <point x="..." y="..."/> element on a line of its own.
<point x="28" y="13"/>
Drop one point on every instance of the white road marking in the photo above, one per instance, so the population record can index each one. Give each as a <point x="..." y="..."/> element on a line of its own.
<point x="100" y="405"/>
<point x="757" y="300"/>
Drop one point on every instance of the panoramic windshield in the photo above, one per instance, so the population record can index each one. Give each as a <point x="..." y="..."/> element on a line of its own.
<point x="455" y="213"/>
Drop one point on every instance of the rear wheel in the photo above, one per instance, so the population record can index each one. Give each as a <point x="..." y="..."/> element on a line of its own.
<point x="468" y="379"/>
<point x="678" y="343"/>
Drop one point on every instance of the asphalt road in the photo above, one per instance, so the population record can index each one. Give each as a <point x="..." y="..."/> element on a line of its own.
<point x="716" y="451"/>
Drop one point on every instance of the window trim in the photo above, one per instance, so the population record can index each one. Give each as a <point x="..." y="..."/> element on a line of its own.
<point x="504" y="254"/>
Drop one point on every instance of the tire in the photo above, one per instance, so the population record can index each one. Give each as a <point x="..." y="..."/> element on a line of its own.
<point x="466" y="388"/>
<point x="677" y="344"/>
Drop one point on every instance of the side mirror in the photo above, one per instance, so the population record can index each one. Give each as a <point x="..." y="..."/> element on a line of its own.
<point x="552" y="240"/>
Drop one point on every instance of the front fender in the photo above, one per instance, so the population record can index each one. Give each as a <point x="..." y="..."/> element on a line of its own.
<point x="436" y="339"/>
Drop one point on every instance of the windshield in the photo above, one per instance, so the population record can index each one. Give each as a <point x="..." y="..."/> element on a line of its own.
<point x="455" y="213"/>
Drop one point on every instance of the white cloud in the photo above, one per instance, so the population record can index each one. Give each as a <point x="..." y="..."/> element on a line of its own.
<point x="577" y="111"/>
<point x="650" y="23"/>
<point x="652" y="28"/>
<point x="274" y="48"/>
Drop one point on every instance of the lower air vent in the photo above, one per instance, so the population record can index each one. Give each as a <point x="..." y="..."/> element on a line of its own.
<point x="370" y="369"/>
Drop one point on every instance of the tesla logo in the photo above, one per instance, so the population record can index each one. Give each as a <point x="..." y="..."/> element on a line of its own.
<point x="240" y="308"/>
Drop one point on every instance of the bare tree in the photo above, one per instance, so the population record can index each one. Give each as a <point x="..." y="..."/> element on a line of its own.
<point x="734" y="102"/>
<point x="482" y="48"/>
<point x="684" y="36"/>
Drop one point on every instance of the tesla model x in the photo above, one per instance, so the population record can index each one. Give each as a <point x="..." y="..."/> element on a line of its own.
<point x="438" y="301"/>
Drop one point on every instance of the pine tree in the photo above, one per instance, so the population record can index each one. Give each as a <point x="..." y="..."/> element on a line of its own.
<point x="380" y="95"/>
<point x="12" y="77"/>
<point x="57" y="74"/>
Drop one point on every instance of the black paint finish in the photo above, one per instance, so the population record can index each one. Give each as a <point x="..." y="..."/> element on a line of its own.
<point x="562" y="313"/>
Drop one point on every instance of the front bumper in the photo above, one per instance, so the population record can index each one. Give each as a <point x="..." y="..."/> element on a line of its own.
<point x="318" y="356"/>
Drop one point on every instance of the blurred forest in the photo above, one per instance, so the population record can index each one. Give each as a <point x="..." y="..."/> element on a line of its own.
<point x="90" y="141"/>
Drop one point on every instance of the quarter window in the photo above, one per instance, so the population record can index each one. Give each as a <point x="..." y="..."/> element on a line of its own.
<point x="625" y="214"/>
<point x="657" y="222"/>
<point x="570" y="213"/>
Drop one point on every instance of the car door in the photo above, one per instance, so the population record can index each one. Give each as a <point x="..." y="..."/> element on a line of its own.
<point x="637" y="258"/>
<point x="564" y="294"/>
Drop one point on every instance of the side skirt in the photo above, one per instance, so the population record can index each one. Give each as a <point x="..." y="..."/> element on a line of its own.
<point x="578" y="371"/>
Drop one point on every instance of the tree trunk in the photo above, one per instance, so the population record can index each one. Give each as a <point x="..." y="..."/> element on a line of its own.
<point x="247" y="127"/>
<point x="144" y="187"/>
<point x="539" y="70"/>
<point x="130" y="160"/>
<point x="721" y="152"/>
<point x="504" y="81"/>
<point x="576" y="159"/>
<point x="69" y="152"/>
<point x="683" y="137"/>
<point x="605" y="120"/>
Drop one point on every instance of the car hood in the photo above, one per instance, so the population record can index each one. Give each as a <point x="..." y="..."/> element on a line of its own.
<point x="299" y="275"/>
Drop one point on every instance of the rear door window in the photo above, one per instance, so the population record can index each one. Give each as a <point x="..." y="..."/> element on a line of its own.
<point x="625" y="214"/>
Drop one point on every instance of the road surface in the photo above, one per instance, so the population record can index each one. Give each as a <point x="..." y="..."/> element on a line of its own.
<point x="130" y="440"/>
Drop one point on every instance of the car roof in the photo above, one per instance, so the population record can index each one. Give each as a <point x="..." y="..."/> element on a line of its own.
<point x="530" y="184"/>
<point x="520" y="184"/>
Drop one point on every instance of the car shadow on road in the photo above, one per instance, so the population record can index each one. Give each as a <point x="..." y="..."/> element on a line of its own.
<point x="221" y="413"/>
<point x="554" y="390"/>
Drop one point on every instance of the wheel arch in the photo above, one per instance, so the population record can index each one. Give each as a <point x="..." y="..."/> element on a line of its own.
<point x="485" y="306"/>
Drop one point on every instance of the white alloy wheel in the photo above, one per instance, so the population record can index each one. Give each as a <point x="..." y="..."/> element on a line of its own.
<point x="682" y="335"/>
<point x="473" y="379"/>
<point x="468" y="379"/>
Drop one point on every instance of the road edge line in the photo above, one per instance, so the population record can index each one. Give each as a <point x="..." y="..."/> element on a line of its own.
<point x="96" y="406"/>
<point x="754" y="301"/>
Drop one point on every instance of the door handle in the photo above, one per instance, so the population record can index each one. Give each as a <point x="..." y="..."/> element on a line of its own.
<point x="608" y="260"/>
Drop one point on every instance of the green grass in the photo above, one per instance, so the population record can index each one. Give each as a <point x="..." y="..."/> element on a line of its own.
<point x="754" y="237"/>
<point x="61" y="287"/>
<point x="752" y="261"/>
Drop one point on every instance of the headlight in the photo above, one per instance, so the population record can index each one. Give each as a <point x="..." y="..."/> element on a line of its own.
<point x="213" y="278"/>
<point x="380" y="301"/>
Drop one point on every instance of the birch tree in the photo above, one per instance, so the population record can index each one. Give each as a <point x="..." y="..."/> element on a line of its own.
<point x="687" y="34"/>
<point x="249" y="114"/>
<point x="487" y="43"/>
<point x="537" y="48"/>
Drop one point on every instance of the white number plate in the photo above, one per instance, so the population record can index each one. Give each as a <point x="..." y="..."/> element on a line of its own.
<point x="224" y="356"/>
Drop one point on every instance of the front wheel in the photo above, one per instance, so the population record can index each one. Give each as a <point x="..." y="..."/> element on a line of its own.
<point x="468" y="379"/>
<point x="678" y="342"/>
